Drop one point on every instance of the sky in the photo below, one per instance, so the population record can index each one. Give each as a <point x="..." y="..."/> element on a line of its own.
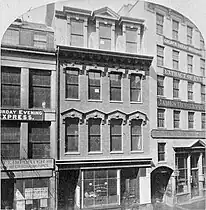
<point x="195" y="10"/>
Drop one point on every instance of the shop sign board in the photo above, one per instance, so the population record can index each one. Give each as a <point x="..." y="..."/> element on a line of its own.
<point x="22" y="114"/>
<point x="36" y="193"/>
<point x="27" y="164"/>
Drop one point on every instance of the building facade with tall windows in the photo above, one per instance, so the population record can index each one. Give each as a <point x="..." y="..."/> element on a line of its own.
<point x="28" y="75"/>
<point x="177" y="107"/>
<point x="104" y="156"/>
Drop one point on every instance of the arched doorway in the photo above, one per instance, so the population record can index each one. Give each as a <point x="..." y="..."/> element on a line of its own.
<point x="159" y="180"/>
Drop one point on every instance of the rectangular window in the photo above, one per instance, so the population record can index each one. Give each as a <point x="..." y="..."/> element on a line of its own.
<point x="72" y="83"/>
<point x="131" y="40"/>
<point x="116" y="135"/>
<point x="115" y="86"/>
<point x="176" y="83"/>
<point x="40" y="89"/>
<point x="135" y="88"/>
<point x="160" y="55"/>
<point x="203" y="90"/>
<point x="176" y="119"/>
<point x="175" y="59"/>
<point x="100" y="188"/>
<point x="105" y="37"/>
<point x="94" y="85"/>
<point x="94" y="135"/>
<point x="40" y="40"/>
<point x="11" y="36"/>
<point x="10" y="86"/>
<point x="203" y="122"/>
<point x="39" y="140"/>
<point x="189" y="63"/>
<point x="161" y="152"/>
<point x="26" y="37"/>
<point x="202" y="43"/>
<point x="191" y="120"/>
<point x="202" y="67"/>
<point x="175" y="29"/>
<point x="77" y="33"/>
<point x="159" y="23"/>
<point x="181" y="179"/>
<point x="136" y="135"/>
<point x="189" y="35"/>
<point x="160" y="85"/>
<point x="160" y="118"/>
<point x="72" y="135"/>
<point x="190" y="90"/>
<point x="10" y="139"/>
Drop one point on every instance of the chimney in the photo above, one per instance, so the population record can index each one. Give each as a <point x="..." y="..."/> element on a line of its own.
<point x="49" y="14"/>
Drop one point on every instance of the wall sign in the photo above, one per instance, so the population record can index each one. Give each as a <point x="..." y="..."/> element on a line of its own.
<point x="181" y="75"/>
<point x="181" y="46"/>
<point x="27" y="164"/>
<point x="36" y="193"/>
<point x="168" y="103"/>
<point x="184" y="134"/>
<point x="21" y="114"/>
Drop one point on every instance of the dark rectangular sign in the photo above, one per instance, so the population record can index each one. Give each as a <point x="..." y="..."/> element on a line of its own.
<point x="21" y="114"/>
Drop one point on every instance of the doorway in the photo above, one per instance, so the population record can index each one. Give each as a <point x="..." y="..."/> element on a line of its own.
<point x="194" y="175"/>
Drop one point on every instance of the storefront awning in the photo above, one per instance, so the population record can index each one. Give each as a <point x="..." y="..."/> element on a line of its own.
<point x="189" y="143"/>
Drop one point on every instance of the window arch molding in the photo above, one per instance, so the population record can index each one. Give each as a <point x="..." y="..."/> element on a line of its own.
<point x="137" y="116"/>
<point x="72" y="113"/>
<point x="95" y="114"/>
<point x="117" y="115"/>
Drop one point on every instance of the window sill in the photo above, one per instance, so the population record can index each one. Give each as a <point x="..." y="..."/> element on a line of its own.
<point x="72" y="153"/>
<point x="160" y="66"/>
<point x="136" y="102"/>
<point x="121" y="102"/>
<point x="72" y="99"/>
<point x="95" y="153"/>
<point x="136" y="151"/>
<point x="93" y="100"/>
<point x="116" y="152"/>
<point x="162" y="162"/>
<point x="184" y="193"/>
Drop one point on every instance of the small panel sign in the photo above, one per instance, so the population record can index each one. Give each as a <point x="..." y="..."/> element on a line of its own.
<point x="21" y="114"/>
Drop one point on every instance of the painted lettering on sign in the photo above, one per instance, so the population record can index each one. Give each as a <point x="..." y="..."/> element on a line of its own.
<point x="21" y="114"/>
<point x="181" y="75"/>
<point x="167" y="103"/>
<point x="181" y="46"/>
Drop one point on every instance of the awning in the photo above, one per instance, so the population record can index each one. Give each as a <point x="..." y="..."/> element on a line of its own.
<point x="189" y="143"/>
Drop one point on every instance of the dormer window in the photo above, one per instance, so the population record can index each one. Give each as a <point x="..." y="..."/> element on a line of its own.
<point x="105" y="36"/>
<point x="77" y="32"/>
<point x="131" y="39"/>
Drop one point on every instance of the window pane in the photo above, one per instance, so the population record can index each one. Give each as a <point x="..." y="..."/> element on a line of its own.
<point x="39" y="150"/>
<point x="71" y="143"/>
<point x="72" y="126"/>
<point x="77" y="27"/>
<point x="116" y="127"/>
<point x="131" y="47"/>
<point x="105" y="44"/>
<point x="72" y="91"/>
<point x="94" y="126"/>
<point x="11" y="36"/>
<point x="72" y="84"/>
<point x="94" y="85"/>
<point x="10" y="151"/>
<point x="77" y="40"/>
<point x="116" y="143"/>
<point x="115" y="80"/>
<point x="94" y="143"/>
<point x="115" y="94"/>
<point x="131" y="35"/>
<point x="10" y="131"/>
<point x="105" y="31"/>
<point x="26" y="37"/>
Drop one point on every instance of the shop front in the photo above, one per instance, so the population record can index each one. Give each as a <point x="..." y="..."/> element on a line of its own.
<point x="27" y="184"/>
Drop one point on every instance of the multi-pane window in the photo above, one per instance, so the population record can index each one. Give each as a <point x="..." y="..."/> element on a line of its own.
<point x="189" y="63"/>
<point x="190" y="90"/>
<point x="94" y="85"/>
<point x="181" y="179"/>
<point x="131" y="40"/>
<point x="40" y="88"/>
<point x="135" y="88"/>
<point x="202" y="67"/>
<point x="115" y="86"/>
<point x="11" y="36"/>
<point x="116" y="135"/>
<point x="159" y="23"/>
<point x="77" y="33"/>
<point x="72" y="135"/>
<point x="175" y="29"/>
<point x="40" y="40"/>
<point x="202" y="43"/>
<point x="176" y="119"/>
<point x="10" y="86"/>
<point x="105" y="36"/>
<point x="161" y="151"/>
<point x="203" y="93"/>
<point x="175" y="59"/>
<point x="10" y="139"/>
<point x="136" y="135"/>
<point x="189" y="35"/>
<point x="160" y="118"/>
<point x="190" y="119"/>
<point x="72" y="83"/>
<point x="39" y="140"/>
<point x="160" y="85"/>
<point x="203" y="121"/>
<point x="160" y="55"/>
<point x="100" y="188"/>
<point x="176" y="83"/>
<point x="94" y="135"/>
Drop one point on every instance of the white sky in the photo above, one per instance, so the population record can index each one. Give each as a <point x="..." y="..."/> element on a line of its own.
<point x="195" y="10"/>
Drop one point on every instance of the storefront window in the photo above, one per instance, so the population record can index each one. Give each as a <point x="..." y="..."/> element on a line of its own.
<point x="100" y="188"/>
<point x="181" y="179"/>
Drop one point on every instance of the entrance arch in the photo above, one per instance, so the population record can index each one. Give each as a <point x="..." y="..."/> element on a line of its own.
<point x="159" y="180"/>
